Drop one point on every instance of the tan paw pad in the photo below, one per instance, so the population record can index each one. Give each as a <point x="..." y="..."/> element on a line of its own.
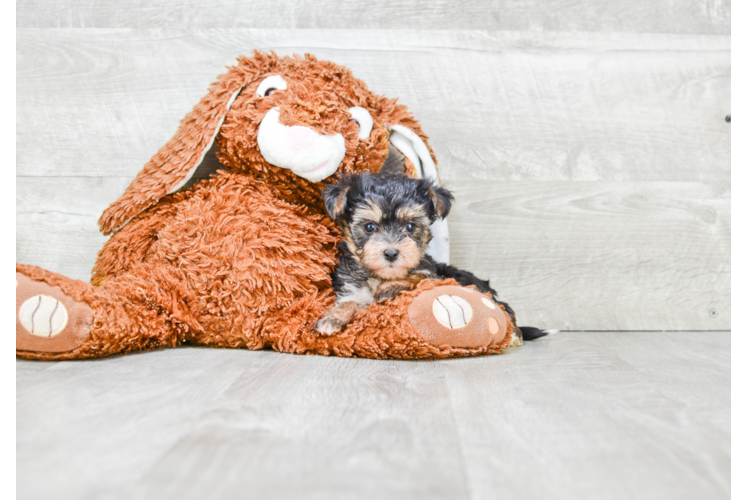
<point x="457" y="317"/>
<point x="48" y="320"/>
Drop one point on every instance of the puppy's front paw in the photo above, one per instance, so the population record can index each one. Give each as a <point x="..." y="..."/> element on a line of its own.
<point x="328" y="326"/>
<point x="385" y="295"/>
<point x="390" y="290"/>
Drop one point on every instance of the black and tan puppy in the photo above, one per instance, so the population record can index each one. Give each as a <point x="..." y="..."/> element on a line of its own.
<point x="385" y="220"/>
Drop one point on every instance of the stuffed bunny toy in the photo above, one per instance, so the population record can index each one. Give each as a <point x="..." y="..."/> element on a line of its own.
<point x="244" y="258"/>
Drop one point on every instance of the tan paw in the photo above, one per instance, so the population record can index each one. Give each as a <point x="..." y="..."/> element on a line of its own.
<point x="457" y="317"/>
<point x="328" y="326"/>
<point x="517" y="339"/>
<point x="47" y="320"/>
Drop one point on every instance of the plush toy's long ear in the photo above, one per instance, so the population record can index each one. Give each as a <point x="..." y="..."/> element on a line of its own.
<point x="413" y="146"/>
<point x="174" y="164"/>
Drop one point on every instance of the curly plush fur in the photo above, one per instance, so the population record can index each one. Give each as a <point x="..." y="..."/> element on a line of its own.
<point x="243" y="259"/>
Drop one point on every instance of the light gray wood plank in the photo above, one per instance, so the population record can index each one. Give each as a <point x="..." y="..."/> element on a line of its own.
<point x="642" y="16"/>
<point x="507" y="105"/>
<point x="56" y="221"/>
<point x="577" y="415"/>
<point x="599" y="255"/>
<point x="203" y="423"/>
<point x="601" y="416"/>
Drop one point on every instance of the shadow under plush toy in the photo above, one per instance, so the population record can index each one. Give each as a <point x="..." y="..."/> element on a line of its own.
<point x="244" y="259"/>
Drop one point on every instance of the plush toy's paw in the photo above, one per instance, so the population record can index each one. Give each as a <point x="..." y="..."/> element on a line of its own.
<point x="458" y="317"/>
<point x="47" y="320"/>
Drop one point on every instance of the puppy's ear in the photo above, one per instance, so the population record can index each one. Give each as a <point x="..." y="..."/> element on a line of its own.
<point x="336" y="198"/>
<point x="442" y="200"/>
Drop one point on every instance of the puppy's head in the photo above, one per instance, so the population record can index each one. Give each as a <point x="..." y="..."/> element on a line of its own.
<point x="386" y="218"/>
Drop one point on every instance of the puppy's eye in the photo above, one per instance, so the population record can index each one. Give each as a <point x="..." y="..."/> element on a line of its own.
<point x="370" y="227"/>
<point x="364" y="120"/>
<point x="270" y="85"/>
<point x="410" y="227"/>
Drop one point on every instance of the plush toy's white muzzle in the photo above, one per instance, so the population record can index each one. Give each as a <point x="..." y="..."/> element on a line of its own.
<point x="300" y="149"/>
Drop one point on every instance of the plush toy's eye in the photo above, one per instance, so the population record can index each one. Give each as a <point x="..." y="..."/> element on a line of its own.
<point x="270" y="85"/>
<point x="364" y="120"/>
<point x="410" y="227"/>
<point x="370" y="227"/>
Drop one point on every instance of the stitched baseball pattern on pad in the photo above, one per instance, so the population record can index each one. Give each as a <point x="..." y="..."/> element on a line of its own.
<point x="43" y="316"/>
<point x="452" y="311"/>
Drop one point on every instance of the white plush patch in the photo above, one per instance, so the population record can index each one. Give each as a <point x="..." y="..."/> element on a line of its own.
<point x="272" y="82"/>
<point x="43" y="316"/>
<point x="438" y="247"/>
<point x="300" y="149"/>
<point x="488" y="303"/>
<point x="428" y="167"/>
<point x="364" y="120"/>
<point x="452" y="311"/>
<point x="405" y="146"/>
<point x="412" y="146"/>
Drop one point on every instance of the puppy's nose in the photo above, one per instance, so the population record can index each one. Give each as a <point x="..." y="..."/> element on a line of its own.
<point x="391" y="254"/>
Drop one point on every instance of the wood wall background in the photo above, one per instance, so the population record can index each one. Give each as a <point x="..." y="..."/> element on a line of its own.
<point x="586" y="144"/>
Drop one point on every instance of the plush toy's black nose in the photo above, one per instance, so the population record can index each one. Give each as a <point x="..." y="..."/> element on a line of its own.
<point x="391" y="254"/>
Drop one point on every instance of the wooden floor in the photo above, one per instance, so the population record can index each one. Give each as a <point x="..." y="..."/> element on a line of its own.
<point x="576" y="415"/>
<point x="587" y="147"/>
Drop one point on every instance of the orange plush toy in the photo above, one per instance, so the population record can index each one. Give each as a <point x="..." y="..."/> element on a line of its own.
<point x="244" y="259"/>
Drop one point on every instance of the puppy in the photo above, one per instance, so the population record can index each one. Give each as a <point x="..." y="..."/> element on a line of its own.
<point x="385" y="220"/>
